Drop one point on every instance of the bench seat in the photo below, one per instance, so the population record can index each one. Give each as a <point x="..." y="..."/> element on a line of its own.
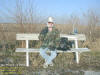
<point x="59" y="51"/>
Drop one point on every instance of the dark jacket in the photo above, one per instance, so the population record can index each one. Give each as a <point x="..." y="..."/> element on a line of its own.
<point x="49" y="39"/>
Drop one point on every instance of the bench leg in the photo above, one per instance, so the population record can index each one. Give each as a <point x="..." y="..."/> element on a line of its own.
<point x="27" y="59"/>
<point x="76" y="53"/>
<point x="77" y="57"/>
<point x="27" y="53"/>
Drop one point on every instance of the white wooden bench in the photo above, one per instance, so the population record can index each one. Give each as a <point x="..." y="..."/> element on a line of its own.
<point x="28" y="37"/>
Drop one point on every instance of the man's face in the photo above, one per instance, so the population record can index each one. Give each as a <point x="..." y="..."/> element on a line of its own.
<point x="50" y="24"/>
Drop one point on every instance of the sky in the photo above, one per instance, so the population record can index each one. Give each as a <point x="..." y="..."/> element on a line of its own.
<point x="48" y="7"/>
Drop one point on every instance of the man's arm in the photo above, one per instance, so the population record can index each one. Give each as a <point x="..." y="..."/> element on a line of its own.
<point x="57" y="40"/>
<point x="43" y="34"/>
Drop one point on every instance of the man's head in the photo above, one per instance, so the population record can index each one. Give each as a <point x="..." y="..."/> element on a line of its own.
<point x="50" y="22"/>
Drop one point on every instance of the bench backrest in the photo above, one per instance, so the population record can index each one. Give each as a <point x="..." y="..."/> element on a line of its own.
<point x="35" y="36"/>
<point x="27" y="36"/>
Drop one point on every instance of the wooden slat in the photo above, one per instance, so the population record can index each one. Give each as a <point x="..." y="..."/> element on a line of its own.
<point x="37" y="50"/>
<point x="27" y="36"/>
<point x="80" y="49"/>
<point x="35" y="36"/>
<point x="73" y="37"/>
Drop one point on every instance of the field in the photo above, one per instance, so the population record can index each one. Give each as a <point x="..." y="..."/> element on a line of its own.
<point x="64" y="62"/>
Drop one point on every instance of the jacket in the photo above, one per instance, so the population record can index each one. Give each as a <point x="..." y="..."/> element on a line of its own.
<point x="49" y="39"/>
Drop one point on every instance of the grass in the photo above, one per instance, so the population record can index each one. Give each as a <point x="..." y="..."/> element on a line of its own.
<point x="63" y="63"/>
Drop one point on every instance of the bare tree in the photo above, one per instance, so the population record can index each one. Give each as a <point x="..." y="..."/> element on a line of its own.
<point x="93" y="20"/>
<point x="25" y="17"/>
<point x="74" y="21"/>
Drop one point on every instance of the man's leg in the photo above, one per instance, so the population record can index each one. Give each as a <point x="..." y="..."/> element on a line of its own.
<point x="43" y="53"/>
<point x="51" y="57"/>
<point x="45" y="56"/>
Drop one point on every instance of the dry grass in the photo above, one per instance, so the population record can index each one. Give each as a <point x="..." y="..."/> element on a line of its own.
<point x="62" y="63"/>
<point x="9" y="31"/>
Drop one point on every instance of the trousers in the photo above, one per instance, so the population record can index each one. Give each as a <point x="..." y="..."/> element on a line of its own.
<point x="48" y="58"/>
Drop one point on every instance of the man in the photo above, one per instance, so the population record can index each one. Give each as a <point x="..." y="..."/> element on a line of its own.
<point x="49" y="38"/>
